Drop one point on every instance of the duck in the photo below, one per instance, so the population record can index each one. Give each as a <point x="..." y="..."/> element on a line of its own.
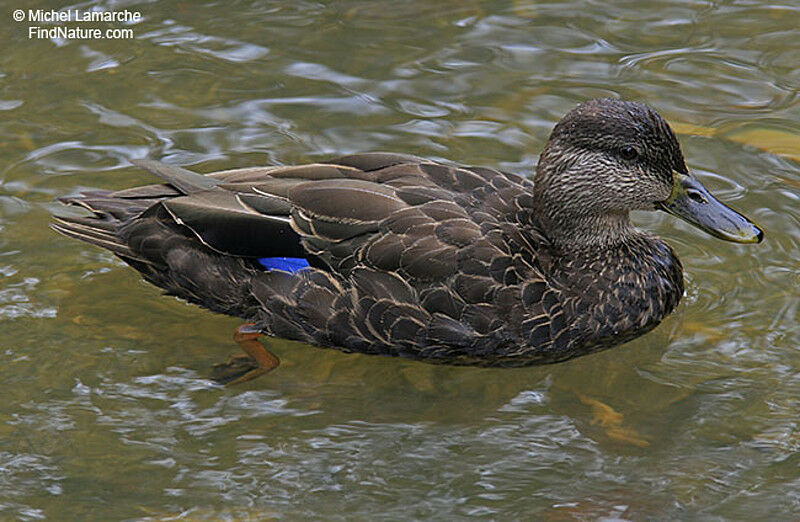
<point x="397" y="255"/>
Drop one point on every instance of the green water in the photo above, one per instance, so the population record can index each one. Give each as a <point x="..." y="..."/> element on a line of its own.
<point x="107" y="410"/>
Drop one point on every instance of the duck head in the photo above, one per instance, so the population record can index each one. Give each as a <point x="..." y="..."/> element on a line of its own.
<point x="607" y="157"/>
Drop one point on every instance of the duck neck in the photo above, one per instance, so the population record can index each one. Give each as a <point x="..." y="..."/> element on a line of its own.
<point x="582" y="234"/>
<point x="574" y="213"/>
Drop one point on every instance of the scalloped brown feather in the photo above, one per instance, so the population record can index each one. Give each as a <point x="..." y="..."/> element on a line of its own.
<point x="409" y="258"/>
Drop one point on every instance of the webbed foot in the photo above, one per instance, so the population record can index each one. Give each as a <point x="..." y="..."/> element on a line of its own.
<point x="256" y="360"/>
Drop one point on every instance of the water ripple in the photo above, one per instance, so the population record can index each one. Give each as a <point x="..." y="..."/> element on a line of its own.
<point x="103" y="374"/>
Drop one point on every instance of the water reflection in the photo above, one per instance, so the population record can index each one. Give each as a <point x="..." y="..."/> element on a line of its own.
<point x="107" y="409"/>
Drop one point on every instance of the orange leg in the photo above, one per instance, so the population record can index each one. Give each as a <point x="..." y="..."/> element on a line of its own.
<point x="256" y="360"/>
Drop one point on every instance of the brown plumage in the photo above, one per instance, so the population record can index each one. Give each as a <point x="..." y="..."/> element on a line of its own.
<point x="413" y="258"/>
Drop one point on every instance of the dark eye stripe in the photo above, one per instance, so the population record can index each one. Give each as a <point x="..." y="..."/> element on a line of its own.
<point x="629" y="153"/>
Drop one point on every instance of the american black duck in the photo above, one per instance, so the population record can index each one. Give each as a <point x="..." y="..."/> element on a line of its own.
<point x="396" y="255"/>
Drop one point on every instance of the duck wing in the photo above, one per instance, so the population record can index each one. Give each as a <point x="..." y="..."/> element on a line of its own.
<point x="388" y="212"/>
<point x="417" y="218"/>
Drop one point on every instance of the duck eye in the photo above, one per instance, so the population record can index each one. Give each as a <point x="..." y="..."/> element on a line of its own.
<point x="628" y="153"/>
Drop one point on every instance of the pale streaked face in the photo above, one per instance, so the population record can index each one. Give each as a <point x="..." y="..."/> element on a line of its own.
<point x="608" y="157"/>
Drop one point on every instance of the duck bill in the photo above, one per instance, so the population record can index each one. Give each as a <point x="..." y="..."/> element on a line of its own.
<point x="693" y="203"/>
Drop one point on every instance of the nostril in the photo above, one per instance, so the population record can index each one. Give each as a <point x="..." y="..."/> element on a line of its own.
<point x="695" y="196"/>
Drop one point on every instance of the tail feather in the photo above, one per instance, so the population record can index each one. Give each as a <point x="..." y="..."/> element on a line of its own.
<point x="109" y="214"/>
<point x="99" y="224"/>
<point x="107" y="204"/>
<point x="91" y="233"/>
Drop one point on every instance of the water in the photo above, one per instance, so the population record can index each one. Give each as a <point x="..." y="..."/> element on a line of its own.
<point x="107" y="410"/>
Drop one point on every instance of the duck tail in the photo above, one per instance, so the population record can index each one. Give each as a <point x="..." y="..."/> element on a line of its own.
<point x="109" y="213"/>
<point x="112" y="210"/>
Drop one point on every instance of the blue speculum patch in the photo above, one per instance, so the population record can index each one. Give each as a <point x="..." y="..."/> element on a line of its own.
<point x="287" y="264"/>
